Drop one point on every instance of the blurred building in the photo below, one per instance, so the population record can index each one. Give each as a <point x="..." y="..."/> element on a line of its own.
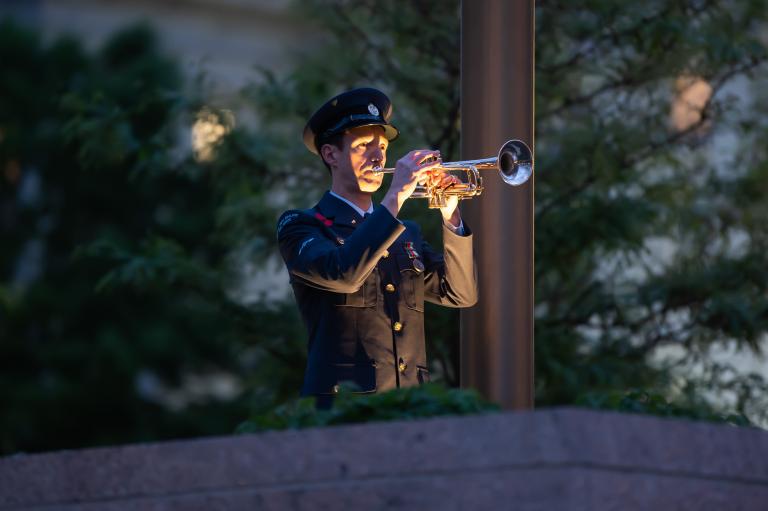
<point x="226" y="39"/>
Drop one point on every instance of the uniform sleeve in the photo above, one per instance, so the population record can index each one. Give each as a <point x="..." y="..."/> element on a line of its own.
<point x="451" y="277"/>
<point x="314" y="259"/>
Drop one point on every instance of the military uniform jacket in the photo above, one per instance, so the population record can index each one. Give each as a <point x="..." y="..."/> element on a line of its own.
<point x="360" y="285"/>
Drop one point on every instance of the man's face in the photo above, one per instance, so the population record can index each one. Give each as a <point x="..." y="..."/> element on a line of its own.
<point x="362" y="149"/>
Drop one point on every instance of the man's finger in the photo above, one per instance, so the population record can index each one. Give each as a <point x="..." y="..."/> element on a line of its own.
<point x="423" y="157"/>
<point x="429" y="166"/>
<point x="450" y="179"/>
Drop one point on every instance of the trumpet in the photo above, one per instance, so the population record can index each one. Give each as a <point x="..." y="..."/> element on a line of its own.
<point x="514" y="163"/>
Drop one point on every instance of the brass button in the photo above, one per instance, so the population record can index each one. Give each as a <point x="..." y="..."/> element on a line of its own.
<point x="402" y="366"/>
<point x="397" y="326"/>
<point x="385" y="254"/>
<point x="335" y="389"/>
<point x="390" y="288"/>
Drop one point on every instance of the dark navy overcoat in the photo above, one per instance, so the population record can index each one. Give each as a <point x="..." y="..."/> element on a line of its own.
<point x="361" y="285"/>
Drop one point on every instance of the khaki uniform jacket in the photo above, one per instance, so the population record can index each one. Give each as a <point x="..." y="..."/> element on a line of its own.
<point x="360" y="285"/>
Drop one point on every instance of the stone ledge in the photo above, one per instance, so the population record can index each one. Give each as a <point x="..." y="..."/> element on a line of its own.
<point x="548" y="459"/>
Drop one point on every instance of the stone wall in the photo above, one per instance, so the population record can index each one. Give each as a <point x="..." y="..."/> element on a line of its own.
<point x="558" y="459"/>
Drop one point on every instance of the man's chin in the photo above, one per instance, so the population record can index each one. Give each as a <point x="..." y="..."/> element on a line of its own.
<point x="369" y="185"/>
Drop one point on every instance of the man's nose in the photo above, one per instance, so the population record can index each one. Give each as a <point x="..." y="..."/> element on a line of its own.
<point x="377" y="154"/>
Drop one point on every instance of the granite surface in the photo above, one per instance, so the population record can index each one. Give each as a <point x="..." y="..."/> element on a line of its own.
<point x="565" y="458"/>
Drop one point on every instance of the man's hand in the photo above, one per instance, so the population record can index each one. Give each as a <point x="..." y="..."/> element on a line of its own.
<point x="450" y="212"/>
<point x="411" y="170"/>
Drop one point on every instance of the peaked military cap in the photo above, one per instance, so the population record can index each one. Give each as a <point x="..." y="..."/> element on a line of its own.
<point x="357" y="107"/>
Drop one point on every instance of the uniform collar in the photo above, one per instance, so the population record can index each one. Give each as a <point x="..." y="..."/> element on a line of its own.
<point x="354" y="206"/>
<point x="340" y="210"/>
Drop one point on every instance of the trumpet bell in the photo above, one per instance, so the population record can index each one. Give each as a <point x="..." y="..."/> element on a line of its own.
<point x="515" y="162"/>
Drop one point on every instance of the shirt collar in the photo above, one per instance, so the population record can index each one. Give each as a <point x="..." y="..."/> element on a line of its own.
<point x="359" y="211"/>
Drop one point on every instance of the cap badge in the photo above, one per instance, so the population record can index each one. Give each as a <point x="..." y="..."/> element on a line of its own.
<point x="373" y="110"/>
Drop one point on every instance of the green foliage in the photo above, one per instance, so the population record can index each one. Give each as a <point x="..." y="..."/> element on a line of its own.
<point x="88" y="171"/>
<point x="646" y="239"/>
<point x="429" y="400"/>
<point x="644" y="402"/>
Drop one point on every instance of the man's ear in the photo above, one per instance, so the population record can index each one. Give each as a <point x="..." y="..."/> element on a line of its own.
<point x="329" y="153"/>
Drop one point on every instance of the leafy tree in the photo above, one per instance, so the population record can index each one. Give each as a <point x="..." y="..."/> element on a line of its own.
<point x="85" y="148"/>
<point x="649" y="236"/>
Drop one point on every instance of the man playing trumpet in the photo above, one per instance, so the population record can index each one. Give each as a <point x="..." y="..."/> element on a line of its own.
<point x="359" y="274"/>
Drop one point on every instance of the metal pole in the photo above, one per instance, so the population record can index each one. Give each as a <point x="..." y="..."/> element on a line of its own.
<point x="497" y="100"/>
